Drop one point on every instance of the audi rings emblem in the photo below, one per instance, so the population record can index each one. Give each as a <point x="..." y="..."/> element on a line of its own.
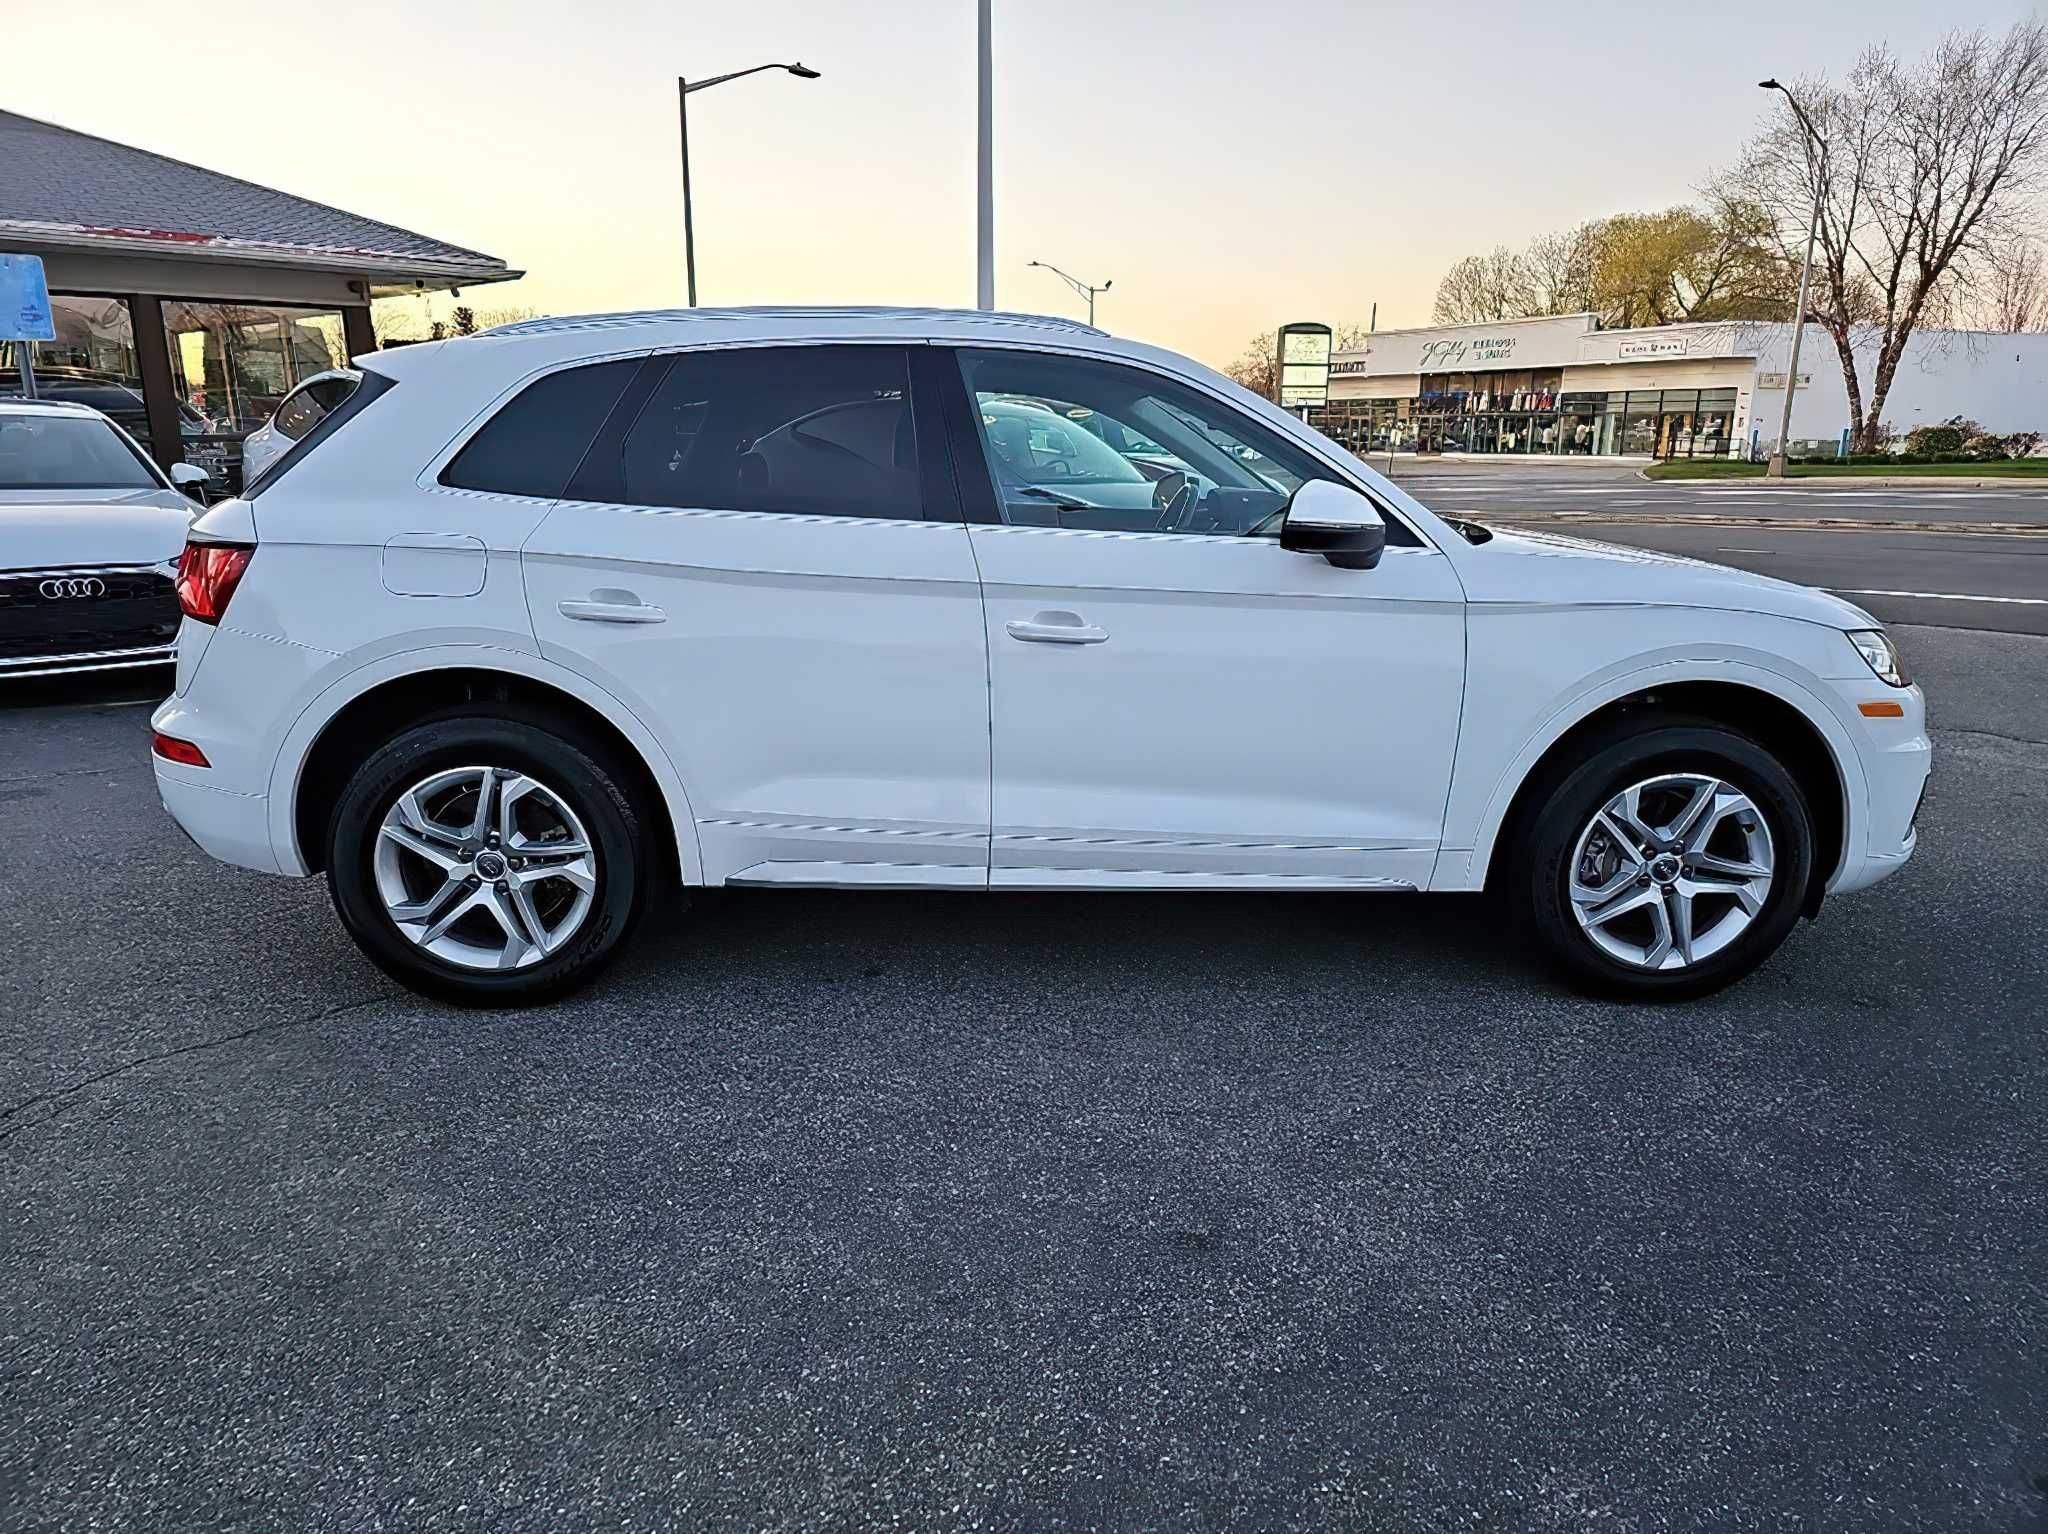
<point x="63" y="587"/>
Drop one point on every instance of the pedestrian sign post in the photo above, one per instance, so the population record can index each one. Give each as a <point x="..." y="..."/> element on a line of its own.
<point x="25" y="312"/>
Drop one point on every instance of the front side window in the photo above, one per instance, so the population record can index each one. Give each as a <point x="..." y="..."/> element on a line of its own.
<point x="811" y="430"/>
<point x="1071" y="442"/>
<point x="49" y="451"/>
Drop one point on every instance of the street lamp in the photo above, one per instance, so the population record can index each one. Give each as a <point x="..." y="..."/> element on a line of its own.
<point x="1085" y="289"/>
<point x="984" y="160"/>
<point x="1776" y="468"/>
<point x="683" y="89"/>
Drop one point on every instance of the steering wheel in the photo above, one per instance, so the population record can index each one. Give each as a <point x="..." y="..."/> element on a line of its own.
<point x="1179" y="503"/>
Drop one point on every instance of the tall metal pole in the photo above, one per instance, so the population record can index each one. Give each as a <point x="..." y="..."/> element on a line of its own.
<point x="985" y="192"/>
<point x="689" y="231"/>
<point x="1776" y="468"/>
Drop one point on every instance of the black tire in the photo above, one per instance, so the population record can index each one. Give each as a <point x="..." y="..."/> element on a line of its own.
<point x="1633" y="752"/>
<point x="580" y="772"/>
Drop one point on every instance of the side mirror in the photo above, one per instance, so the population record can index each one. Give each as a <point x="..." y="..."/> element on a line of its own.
<point x="1336" y="522"/>
<point x="183" y="474"/>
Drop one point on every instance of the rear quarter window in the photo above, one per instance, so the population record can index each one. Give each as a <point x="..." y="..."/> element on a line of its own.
<point x="537" y="438"/>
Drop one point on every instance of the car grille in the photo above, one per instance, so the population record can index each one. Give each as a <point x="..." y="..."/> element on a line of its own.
<point x="46" y="614"/>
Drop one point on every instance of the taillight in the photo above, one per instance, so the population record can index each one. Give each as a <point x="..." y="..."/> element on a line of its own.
<point x="207" y="576"/>
<point x="172" y="749"/>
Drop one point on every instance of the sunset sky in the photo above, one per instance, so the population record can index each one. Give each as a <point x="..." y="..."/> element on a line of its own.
<point x="1230" y="165"/>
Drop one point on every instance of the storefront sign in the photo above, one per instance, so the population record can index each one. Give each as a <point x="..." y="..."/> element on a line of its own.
<point x="24" y="300"/>
<point x="1662" y="346"/>
<point x="1448" y="355"/>
<point x="1304" y="365"/>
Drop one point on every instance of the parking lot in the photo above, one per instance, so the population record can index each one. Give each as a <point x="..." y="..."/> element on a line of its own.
<point x="1207" y="1212"/>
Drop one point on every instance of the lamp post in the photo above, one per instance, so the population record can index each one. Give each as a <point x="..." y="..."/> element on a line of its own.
<point x="984" y="165"/>
<point x="1776" y="468"/>
<point x="1087" y="290"/>
<point x="683" y="90"/>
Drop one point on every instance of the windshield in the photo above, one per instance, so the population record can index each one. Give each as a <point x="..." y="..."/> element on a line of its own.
<point x="67" y="452"/>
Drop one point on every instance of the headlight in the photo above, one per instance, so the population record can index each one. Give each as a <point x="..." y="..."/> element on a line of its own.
<point x="1876" y="647"/>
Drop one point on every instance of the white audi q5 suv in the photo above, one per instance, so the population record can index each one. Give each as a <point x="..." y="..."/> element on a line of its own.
<point x="539" y="619"/>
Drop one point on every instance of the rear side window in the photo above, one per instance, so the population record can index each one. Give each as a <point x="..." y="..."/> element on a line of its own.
<point x="812" y="430"/>
<point x="533" y="444"/>
<point x="306" y="406"/>
<point x="297" y="415"/>
<point x="358" y="398"/>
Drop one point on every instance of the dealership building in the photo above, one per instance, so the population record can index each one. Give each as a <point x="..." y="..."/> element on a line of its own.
<point x="1563" y="386"/>
<point x="187" y="303"/>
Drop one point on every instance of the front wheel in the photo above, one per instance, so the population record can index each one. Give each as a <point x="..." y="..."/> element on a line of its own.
<point x="488" y="859"/>
<point x="1673" y="861"/>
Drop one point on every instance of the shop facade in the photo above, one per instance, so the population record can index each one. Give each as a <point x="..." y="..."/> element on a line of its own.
<point x="1557" y="386"/>
<point x="187" y="303"/>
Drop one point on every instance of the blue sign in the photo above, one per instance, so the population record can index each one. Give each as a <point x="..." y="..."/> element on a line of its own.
<point x="25" y="300"/>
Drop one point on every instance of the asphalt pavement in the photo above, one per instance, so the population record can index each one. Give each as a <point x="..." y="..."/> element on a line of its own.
<point x="1932" y="552"/>
<point x="1021" y="1212"/>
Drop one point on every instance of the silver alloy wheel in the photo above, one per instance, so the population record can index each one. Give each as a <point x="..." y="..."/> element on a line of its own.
<point x="485" y="868"/>
<point x="1671" y="870"/>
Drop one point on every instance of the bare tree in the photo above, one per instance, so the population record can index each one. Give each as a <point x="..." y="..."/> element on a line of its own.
<point x="2009" y="288"/>
<point x="1705" y="263"/>
<point x="505" y="314"/>
<point x="1258" y="366"/>
<point x="1926" y="170"/>
<point x="1482" y="288"/>
<point x="1561" y="269"/>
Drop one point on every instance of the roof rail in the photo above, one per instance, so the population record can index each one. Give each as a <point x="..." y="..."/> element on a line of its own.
<point x="566" y="322"/>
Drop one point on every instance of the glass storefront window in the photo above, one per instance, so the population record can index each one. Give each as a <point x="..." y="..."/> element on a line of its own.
<point x="92" y="361"/>
<point x="1526" y="413"/>
<point x="232" y="363"/>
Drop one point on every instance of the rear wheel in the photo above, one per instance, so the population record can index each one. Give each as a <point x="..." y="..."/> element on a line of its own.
<point x="491" y="859"/>
<point x="1671" y="862"/>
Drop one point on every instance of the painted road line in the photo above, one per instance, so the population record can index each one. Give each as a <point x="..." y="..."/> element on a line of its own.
<point x="1945" y="596"/>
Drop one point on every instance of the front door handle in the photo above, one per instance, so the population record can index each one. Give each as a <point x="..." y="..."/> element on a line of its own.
<point x="627" y="611"/>
<point x="1055" y="628"/>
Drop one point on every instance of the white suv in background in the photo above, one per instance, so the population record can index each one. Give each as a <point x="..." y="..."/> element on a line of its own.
<point x="536" y="620"/>
<point x="295" y="416"/>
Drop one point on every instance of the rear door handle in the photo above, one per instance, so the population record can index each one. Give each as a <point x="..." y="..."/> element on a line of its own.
<point x="1055" y="628"/>
<point x="613" y="612"/>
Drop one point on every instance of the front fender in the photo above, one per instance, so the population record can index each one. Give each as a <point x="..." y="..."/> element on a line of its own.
<point x="1481" y="796"/>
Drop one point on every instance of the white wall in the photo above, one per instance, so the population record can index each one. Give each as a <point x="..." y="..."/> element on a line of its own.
<point x="1999" y="381"/>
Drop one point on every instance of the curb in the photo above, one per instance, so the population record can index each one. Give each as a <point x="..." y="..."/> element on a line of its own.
<point x="1563" y="519"/>
<point x="1865" y="481"/>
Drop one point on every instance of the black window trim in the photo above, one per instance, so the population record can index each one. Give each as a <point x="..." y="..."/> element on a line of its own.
<point x="978" y="491"/>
